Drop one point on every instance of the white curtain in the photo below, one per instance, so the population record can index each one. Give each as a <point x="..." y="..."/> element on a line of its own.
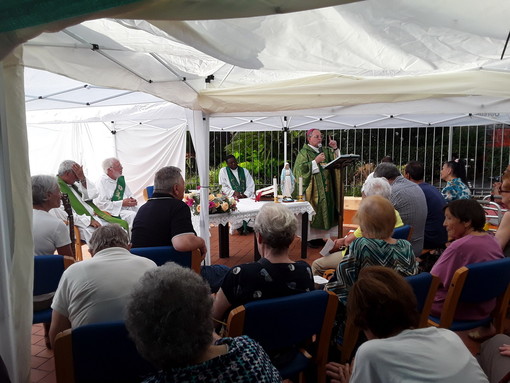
<point x="16" y="245"/>
<point x="199" y="130"/>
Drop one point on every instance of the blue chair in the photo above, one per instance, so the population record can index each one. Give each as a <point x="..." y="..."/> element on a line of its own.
<point x="477" y="283"/>
<point x="147" y="192"/>
<point x="48" y="270"/>
<point x="402" y="232"/>
<point x="424" y="286"/>
<point x="163" y="254"/>
<point x="289" y="322"/>
<point x="96" y="353"/>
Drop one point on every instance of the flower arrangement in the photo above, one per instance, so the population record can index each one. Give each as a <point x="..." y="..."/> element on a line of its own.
<point x="218" y="203"/>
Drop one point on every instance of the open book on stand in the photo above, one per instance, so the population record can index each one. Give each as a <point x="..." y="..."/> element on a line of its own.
<point x="341" y="161"/>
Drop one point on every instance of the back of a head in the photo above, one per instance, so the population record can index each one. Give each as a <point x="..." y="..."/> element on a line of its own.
<point x="383" y="302"/>
<point x="169" y="316"/>
<point x="376" y="217"/>
<point x="377" y="186"/>
<point x="387" y="159"/>
<point x="41" y="186"/>
<point x="65" y="167"/>
<point x="108" y="236"/>
<point x="165" y="179"/>
<point x="386" y="170"/>
<point x="277" y="225"/>
<point x="468" y="210"/>
<point x="415" y="170"/>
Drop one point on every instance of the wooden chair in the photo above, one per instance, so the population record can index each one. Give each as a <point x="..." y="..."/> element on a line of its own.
<point x="48" y="270"/>
<point x="424" y="286"/>
<point x="163" y="254"/>
<point x="289" y="323"/>
<point x="97" y="353"/>
<point x="77" y="245"/>
<point x="477" y="283"/>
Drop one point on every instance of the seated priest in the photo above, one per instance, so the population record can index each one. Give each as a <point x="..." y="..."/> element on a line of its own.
<point x="114" y="195"/>
<point x="87" y="216"/>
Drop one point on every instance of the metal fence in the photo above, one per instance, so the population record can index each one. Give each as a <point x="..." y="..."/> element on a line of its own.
<point x="485" y="150"/>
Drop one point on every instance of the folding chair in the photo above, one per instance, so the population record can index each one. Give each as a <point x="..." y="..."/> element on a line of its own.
<point x="147" y="192"/>
<point x="48" y="270"/>
<point x="477" y="283"/>
<point x="290" y="323"/>
<point x="97" y="353"/>
<point x="163" y="254"/>
<point x="402" y="232"/>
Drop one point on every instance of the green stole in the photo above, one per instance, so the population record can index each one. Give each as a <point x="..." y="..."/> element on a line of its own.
<point x="237" y="186"/>
<point x="118" y="194"/>
<point x="78" y="207"/>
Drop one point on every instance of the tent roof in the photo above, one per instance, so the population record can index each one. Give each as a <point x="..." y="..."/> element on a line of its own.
<point x="365" y="52"/>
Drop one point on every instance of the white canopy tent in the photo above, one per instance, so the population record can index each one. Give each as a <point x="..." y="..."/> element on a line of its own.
<point x="369" y="63"/>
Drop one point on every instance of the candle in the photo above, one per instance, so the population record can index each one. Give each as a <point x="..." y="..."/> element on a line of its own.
<point x="300" y="185"/>
<point x="275" y="187"/>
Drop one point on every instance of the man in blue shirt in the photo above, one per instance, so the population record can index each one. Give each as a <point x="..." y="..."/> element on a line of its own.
<point x="435" y="232"/>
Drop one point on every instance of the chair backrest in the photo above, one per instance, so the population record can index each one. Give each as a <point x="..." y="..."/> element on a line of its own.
<point x="48" y="270"/>
<point x="101" y="352"/>
<point x="424" y="286"/>
<point x="284" y="322"/>
<point x="476" y="283"/>
<point x="402" y="232"/>
<point x="147" y="192"/>
<point x="163" y="254"/>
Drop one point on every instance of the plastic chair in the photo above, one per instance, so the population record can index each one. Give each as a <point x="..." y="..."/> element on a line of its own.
<point x="48" y="270"/>
<point x="476" y="283"/>
<point x="163" y="254"/>
<point x="424" y="286"/>
<point x="147" y="192"/>
<point x="403" y="232"/>
<point x="96" y="353"/>
<point x="287" y="322"/>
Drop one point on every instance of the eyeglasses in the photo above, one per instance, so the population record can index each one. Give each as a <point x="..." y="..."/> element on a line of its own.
<point x="503" y="191"/>
<point x="316" y="136"/>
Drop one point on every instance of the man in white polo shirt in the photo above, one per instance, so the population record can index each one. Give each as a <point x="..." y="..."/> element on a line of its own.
<point x="97" y="289"/>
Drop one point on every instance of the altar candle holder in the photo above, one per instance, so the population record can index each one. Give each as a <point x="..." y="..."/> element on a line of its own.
<point x="275" y="190"/>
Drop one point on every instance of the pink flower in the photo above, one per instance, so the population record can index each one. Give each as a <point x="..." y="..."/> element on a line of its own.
<point x="211" y="204"/>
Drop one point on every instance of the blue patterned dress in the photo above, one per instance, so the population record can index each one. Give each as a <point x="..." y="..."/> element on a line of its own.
<point x="245" y="362"/>
<point x="455" y="189"/>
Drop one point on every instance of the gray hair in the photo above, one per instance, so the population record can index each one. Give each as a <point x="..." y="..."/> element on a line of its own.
<point x="169" y="316"/>
<point x="65" y="167"/>
<point x="277" y="226"/>
<point x="108" y="163"/>
<point x="377" y="186"/>
<point x="108" y="236"/>
<point x="166" y="178"/>
<point x="386" y="170"/>
<point x="41" y="186"/>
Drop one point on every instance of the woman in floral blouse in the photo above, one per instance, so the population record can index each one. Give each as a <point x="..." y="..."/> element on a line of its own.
<point x="454" y="175"/>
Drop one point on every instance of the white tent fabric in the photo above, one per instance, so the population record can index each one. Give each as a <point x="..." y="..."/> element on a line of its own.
<point x="420" y="61"/>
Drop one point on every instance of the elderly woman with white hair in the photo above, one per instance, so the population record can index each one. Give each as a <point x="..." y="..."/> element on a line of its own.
<point x="275" y="274"/>
<point x="169" y="319"/>
<point x="372" y="186"/>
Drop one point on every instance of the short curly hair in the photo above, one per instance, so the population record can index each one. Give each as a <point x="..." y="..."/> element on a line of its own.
<point x="169" y="316"/>
<point x="277" y="226"/>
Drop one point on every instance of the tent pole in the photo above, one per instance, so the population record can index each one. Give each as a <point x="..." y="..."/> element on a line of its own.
<point x="450" y="142"/>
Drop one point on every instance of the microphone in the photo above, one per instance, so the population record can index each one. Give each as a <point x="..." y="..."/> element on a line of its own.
<point x="320" y="148"/>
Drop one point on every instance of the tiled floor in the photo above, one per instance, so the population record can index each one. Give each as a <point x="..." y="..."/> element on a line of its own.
<point x="241" y="251"/>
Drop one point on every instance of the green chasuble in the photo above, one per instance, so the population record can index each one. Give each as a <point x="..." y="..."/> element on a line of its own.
<point x="237" y="186"/>
<point x="79" y="209"/>
<point x="319" y="188"/>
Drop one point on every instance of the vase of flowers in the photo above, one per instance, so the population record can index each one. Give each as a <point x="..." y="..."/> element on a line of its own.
<point x="218" y="203"/>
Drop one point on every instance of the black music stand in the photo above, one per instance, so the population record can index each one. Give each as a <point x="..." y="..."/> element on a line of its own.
<point x="340" y="163"/>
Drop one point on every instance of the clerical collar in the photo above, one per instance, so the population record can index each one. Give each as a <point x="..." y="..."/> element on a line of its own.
<point x="314" y="148"/>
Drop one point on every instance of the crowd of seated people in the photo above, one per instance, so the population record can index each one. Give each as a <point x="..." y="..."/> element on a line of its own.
<point x="274" y="275"/>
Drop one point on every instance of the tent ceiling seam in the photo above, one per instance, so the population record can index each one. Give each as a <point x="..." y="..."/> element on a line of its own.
<point x="181" y="78"/>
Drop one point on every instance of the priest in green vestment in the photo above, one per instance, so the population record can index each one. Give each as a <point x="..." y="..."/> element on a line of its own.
<point x="318" y="184"/>
<point x="81" y="191"/>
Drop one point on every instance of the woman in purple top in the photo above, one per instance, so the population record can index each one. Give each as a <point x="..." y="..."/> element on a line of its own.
<point x="464" y="222"/>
